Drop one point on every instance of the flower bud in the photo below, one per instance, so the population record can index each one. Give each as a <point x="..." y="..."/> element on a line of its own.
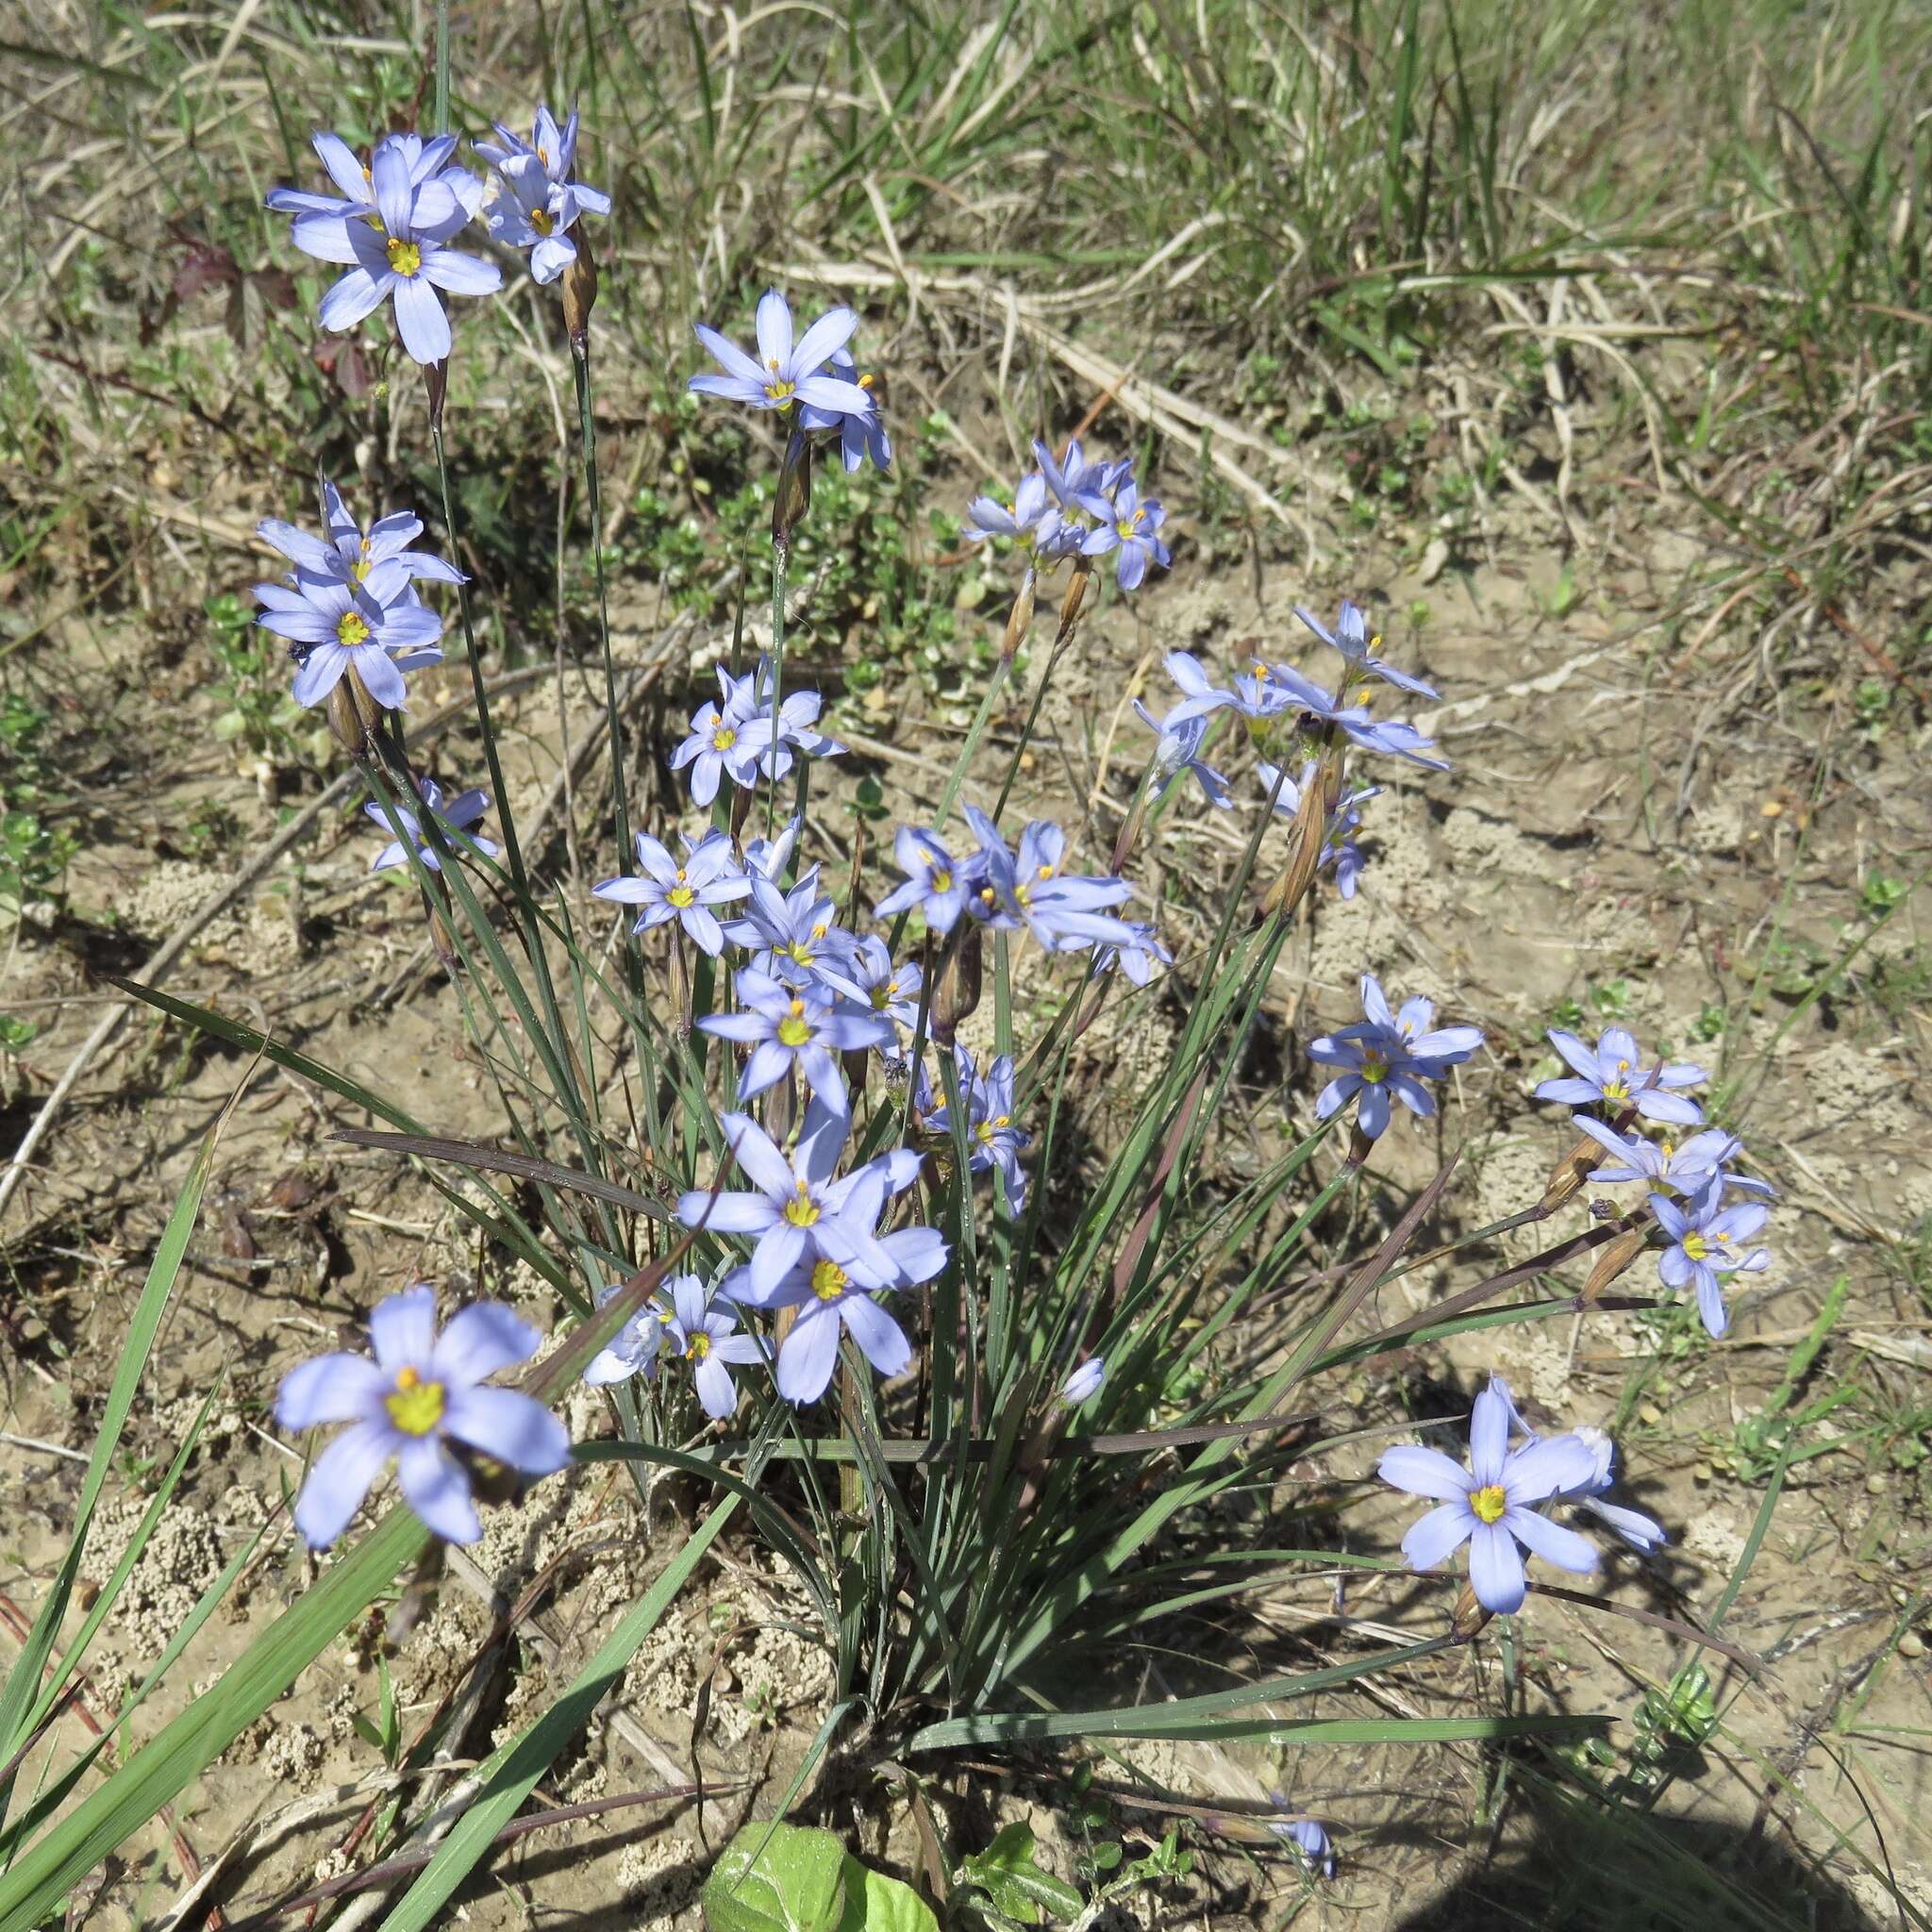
<point x="794" y="496"/>
<point x="956" y="996"/>
<point x="354" y="716"/>
<point x="435" y="386"/>
<point x="1361" y="1145"/>
<point x="440" y="937"/>
<point x="1613" y="1259"/>
<point x="1020" y="620"/>
<point x="1569" y="1173"/>
<point x="1076" y="590"/>
<point x="580" y="292"/>
<point x="1470" y="1617"/>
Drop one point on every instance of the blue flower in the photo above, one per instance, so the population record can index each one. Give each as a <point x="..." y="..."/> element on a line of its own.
<point x="786" y="374"/>
<point x="726" y="739"/>
<point x="768" y="857"/>
<point x="1310" y="1839"/>
<point x="1351" y="638"/>
<point x="1339" y="846"/>
<point x="935" y="882"/>
<point x="633" y="1350"/>
<point x="1179" y="750"/>
<point x="1612" y="1073"/>
<point x="1138" y="957"/>
<point x="799" y="1214"/>
<point x="1490" y="1507"/>
<point x="442" y="198"/>
<point x="457" y="816"/>
<point x="1028" y="888"/>
<point x="400" y="253"/>
<point x="1702" y="1249"/>
<point x="1642" y="1533"/>
<point x="1085" y="1383"/>
<point x="861" y="432"/>
<point x="796" y="1026"/>
<point x="350" y="555"/>
<point x="992" y="1141"/>
<point x="667" y="891"/>
<point x="332" y="624"/>
<point x="1031" y="523"/>
<point x="1389" y="1054"/>
<point x="539" y="204"/>
<point x="868" y="975"/>
<point x="795" y="936"/>
<point x="707" y="1338"/>
<point x="1685" y="1167"/>
<point x="421" y="1398"/>
<point x="1132" y="528"/>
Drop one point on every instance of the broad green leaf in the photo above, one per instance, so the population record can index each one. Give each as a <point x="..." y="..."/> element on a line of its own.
<point x="778" y="1878"/>
<point x="875" y="1903"/>
<point x="1008" y="1876"/>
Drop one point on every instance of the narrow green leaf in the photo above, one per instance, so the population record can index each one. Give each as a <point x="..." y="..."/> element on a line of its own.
<point x="511" y="1772"/>
<point x="22" y="1702"/>
<point x="161" y="1769"/>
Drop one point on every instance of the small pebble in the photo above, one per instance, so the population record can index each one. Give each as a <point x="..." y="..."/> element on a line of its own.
<point x="1703" y="1472"/>
<point x="1912" y="1645"/>
<point x="1650" y="1414"/>
<point x="1877" y="1484"/>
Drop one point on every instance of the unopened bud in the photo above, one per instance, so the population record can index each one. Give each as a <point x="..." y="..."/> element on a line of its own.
<point x="435" y="386"/>
<point x="1361" y="1145"/>
<point x="1070" y="604"/>
<point x="354" y="716"/>
<point x="440" y="937"/>
<point x="794" y="497"/>
<point x="1611" y="1260"/>
<point x="579" y="292"/>
<point x="956" y="996"/>
<point x="1570" y="1173"/>
<point x="1309" y="834"/>
<point x="1470" y="1617"/>
<point x="1130" y="831"/>
<point x="1021" y="619"/>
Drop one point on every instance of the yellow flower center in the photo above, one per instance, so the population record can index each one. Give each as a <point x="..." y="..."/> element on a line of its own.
<point x="723" y="738"/>
<point x="351" y="631"/>
<point x="403" y="256"/>
<point x="801" y="1210"/>
<point x="1697" y="1247"/>
<point x="941" y="879"/>
<point x="779" y="389"/>
<point x="794" y="1029"/>
<point x="829" y="1281"/>
<point x="987" y="1129"/>
<point x="697" y="1347"/>
<point x="681" y="897"/>
<point x="1489" y="1503"/>
<point x="540" y="220"/>
<point x="883" y="995"/>
<point x="799" y="952"/>
<point x="416" y="1408"/>
<point x="1374" y="1071"/>
<point x="1616" y="1090"/>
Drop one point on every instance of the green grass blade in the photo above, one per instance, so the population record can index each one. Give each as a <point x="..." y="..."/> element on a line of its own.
<point x="511" y="1772"/>
<point x="22" y="1702"/>
<point x="161" y="1769"/>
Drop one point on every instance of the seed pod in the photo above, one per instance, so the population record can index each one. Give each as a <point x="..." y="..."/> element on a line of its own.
<point x="440" y="937"/>
<point x="580" y="292"/>
<point x="1361" y="1145"/>
<point x="1612" y="1259"/>
<point x="1469" y="1617"/>
<point x="1569" y="1173"/>
<point x="956" y="996"/>
<point x="1020" y="620"/>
